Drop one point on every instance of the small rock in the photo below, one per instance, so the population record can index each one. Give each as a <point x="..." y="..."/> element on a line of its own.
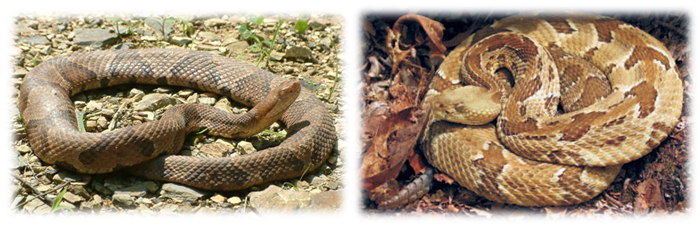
<point x="108" y="113"/>
<point x="329" y="200"/>
<point x="72" y="198"/>
<point x="122" y="199"/>
<point x="234" y="200"/>
<point x="136" y="94"/>
<point x="207" y="101"/>
<point x="246" y="147"/>
<point x="180" y="41"/>
<point x="161" y="27"/>
<point x="90" y="125"/>
<point x="137" y="190"/>
<point x="276" y="55"/>
<point x="326" y="43"/>
<point x="215" y="22"/>
<point x="180" y="192"/>
<point x="23" y="149"/>
<point x="36" y="40"/>
<point x="93" y="105"/>
<point x="94" y="37"/>
<point x="237" y="47"/>
<point x="154" y="101"/>
<point x="315" y="25"/>
<point x="185" y="92"/>
<point x="224" y="104"/>
<point x="218" y="198"/>
<point x="300" y="53"/>
<point x="151" y="186"/>
<point x="102" y="122"/>
<point x="215" y="149"/>
<point x="209" y="36"/>
<point x="66" y="176"/>
<point x="274" y="198"/>
<point x="192" y="99"/>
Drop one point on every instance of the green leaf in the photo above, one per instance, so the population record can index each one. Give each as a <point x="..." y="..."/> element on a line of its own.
<point x="57" y="201"/>
<point x="300" y="26"/>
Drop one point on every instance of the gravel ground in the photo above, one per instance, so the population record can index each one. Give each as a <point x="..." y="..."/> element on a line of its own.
<point x="310" y="55"/>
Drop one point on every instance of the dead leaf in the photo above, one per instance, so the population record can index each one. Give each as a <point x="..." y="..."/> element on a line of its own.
<point x="443" y="178"/>
<point x="392" y="140"/>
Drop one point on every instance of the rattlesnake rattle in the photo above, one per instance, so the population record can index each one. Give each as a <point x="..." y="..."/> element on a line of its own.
<point x="580" y="96"/>
<point x="150" y="149"/>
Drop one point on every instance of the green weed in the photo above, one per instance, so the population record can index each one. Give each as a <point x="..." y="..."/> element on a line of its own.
<point x="57" y="202"/>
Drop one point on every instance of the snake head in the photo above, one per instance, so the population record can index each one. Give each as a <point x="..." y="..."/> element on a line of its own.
<point x="470" y="105"/>
<point x="283" y="96"/>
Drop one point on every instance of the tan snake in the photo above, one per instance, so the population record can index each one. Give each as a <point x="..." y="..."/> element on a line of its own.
<point x="575" y="97"/>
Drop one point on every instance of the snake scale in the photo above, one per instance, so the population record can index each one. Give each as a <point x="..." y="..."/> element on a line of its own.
<point x="540" y="110"/>
<point x="150" y="149"/>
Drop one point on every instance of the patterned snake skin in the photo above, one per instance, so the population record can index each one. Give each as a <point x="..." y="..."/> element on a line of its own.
<point x="580" y="96"/>
<point x="149" y="149"/>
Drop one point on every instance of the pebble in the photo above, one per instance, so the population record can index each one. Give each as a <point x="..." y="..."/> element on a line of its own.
<point x="224" y="104"/>
<point x="181" y="192"/>
<point x="93" y="105"/>
<point x="72" y="198"/>
<point x="154" y="101"/>
<point x="237" y="47"/>
<point x="66" y="176"/>
<point x="36" y="40"/>
<point x="207" y="101"/>
<point x="94" y="37"/>
<point x="90" y="125"/>
<point x="122" y="199"/>
<point x="218" y="198"/>
<point x="215" y="22"/>
<point x="246" y="147"/>
<point x="185" y="92"/>
<point x="180" y="41"/>
<point x="23" y="149"/>
<point x="296" y="52"/>
<point x="234" y="200"/>
<point x="160" y="26"/>
<point x="274" y="198"/>
<point x="102" y="122"/>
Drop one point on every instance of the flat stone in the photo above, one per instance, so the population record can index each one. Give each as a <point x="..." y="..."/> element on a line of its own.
<point x="35" y="40"/>
<point x="215" y="22"/>
<point x="215" y="149"/>
<point x="180" y="41"/>
<point x="66" y="176"/>
<point x="185" y="92"/>
<point x="161" y="27"/>
<point x="207" y="101"/>
<point x="328" y="200"/>
<point x="296" y="52"/>
<point x="94" y="37"/>
<point x="181" y="192"/>
<point x="154" y="101"/>
<point x="138" y="190"/>
<point x="72" y="198"/>
<point x="209" y="36"/>
<point x="122" y="199"/>
<point x="276" y="199"/>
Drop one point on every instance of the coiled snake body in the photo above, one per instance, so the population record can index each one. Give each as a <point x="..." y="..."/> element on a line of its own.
<point x="588" y="95"/>
<point x="149" y="149"/>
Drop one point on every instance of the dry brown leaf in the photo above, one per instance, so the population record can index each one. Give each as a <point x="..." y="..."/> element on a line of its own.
<point x="392" y="141"/>
<point x="443" y="178"/>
